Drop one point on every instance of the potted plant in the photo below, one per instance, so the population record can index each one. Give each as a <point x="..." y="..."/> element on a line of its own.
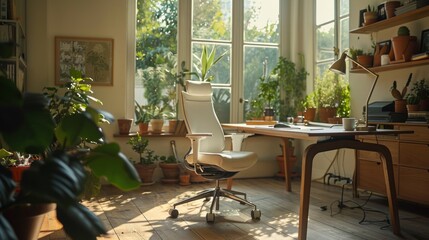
<point x="370" y="16"/>
<point x="309" y="106"/>
<point x="142" y="117"/>
<point x="170" y="169"/>
<point x="58" y="177"/>
<point x="404" y="45"/>
<point x="354" y="52"/>
<point x="421" y="90"/>
<point x="400" y="101"/>
<point x="292" y="82"/>
<point x="331" y="94"/>
<point x="366" y="59"/>
<point x="124" y="125"/>
<point x="412" y="102"/>
<point x="156" y="115"/>
<point x="147" y="158"/>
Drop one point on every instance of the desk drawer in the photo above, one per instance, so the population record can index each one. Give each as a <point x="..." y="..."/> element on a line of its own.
<point x="421" y="133"/>
<point x="414" y="184"/>
<point x="371" y="177"/>
<point x="414" y="155"/>
<point x="393" y="147"/>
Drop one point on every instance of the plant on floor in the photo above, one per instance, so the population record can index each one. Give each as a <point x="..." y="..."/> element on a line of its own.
<point x="59" y="176"/>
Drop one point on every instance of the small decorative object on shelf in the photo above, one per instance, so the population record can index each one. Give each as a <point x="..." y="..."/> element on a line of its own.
<point x="370" y="16"/>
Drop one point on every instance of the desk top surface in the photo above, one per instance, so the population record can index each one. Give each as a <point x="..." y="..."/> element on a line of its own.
<point x="308" y="132"/>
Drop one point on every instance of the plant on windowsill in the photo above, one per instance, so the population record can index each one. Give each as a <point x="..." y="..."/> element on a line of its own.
<point x="147" y="158"/>
<point x="332" y="95"/>
<point x="309" y="106"/>
<point x="156" y="115"/>
<point x="142" y="117"/>
<point x="59" y="176"/>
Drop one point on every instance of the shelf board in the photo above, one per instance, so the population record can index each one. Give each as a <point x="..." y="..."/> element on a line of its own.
<point x="394" y="21"/>
<point x="393" y="66"/>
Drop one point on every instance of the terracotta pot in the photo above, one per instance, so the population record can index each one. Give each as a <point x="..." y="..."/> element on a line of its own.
<point x="17" y="174"/>
<point x="310" y="114"/>
<point x="184" y="179"/>
<point x="195" y="178"/>
<point x="172" y="126"/>
<point x="335" y="120"/>
<point x="401" y="106"/>
<point x="292" y="161"/>
<point x="326" y="112"/>
<point x="124" y="125"/>
<point x="143" y="128"/>
<point x="157" y="125"/>
<point x="171" y="172"/>
<point x="365" y="60"/>
<point x="26" y="219"/>
<point x="145" y="172"/>
<point x="413" y="107"/>
<point x="404" y="47"/>
<point x="370" y="18"/>
<point x="391" y="7"/>
<point x="268" y="114"/>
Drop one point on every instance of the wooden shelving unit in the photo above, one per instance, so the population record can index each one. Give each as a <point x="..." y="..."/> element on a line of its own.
<point x="392" y="66"/>
<point x="394" y="21"/>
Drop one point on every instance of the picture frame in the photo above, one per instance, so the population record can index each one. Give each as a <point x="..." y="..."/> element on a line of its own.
<point x="424" y="45"/>
<point x="361" y="19"/>
<point x="93" y="57"/>
<point x="381" y="12"/>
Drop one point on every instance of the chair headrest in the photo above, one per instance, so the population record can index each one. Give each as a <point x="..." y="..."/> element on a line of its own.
<point x="198" y="88"/>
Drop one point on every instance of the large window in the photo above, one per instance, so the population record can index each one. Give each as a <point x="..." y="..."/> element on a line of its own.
<point x="245" y="32"/>
<point x="253" y="39"/>
<point x="332" y="32"/>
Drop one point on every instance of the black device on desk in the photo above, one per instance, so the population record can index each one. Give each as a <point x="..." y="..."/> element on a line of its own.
<point x="384" y="111"/>
<point x="282" y="125"/>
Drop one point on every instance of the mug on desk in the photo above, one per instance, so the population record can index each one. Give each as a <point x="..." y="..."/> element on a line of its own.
<point x="349" y="124"/>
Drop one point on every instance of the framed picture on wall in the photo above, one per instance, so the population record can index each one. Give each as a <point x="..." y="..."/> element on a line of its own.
<point x="93" y="57"/>
<point x="424" y="46"/>
<point x="361" y="20"/>
<point x="381" y="12"/>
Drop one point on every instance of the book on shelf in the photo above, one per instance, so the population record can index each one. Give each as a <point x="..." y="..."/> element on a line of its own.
<point x="420" y="56"/>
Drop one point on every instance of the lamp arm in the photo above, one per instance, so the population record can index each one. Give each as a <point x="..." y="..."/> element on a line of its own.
<point x="372" y="88"/>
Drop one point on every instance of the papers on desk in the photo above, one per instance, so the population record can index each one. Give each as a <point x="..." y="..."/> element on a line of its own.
<point x="293" y="127"/>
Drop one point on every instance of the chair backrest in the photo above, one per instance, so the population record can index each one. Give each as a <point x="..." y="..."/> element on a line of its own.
<point x="200" y="116"/>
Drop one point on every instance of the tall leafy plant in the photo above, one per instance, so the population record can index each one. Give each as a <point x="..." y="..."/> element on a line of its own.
<point x="292" y="82"/>
<point x="28" y="126"/>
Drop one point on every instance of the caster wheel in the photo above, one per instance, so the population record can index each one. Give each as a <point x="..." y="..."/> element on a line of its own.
<point x="173" y="213"/>
<point x="210" y="217"/>
<point x="256" y="214"/>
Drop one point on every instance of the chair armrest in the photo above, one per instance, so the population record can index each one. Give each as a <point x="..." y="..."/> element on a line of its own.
<point x="237" y="140"/>
<point x="195" y="142"/>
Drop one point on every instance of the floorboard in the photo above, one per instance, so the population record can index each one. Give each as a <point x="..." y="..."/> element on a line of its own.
<point x="143" y="214"/>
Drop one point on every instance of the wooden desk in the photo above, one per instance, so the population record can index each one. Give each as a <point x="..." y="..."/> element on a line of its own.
<point x="328" y="139"/>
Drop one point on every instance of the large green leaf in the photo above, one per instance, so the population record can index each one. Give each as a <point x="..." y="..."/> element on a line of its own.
<point x="106" y="160"/>
<point x="73" y="128"/>
<point x="79" y="222"/>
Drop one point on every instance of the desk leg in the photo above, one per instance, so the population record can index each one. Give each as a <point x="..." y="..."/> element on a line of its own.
<point x="286" y="159"/>
<point x="307" y="163"/>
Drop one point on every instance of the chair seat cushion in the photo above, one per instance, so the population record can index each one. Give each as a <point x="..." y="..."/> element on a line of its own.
<point x="231" y="161"/>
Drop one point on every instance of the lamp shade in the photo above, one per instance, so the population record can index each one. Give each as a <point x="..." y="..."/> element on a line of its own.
<point x="339" y="66"/>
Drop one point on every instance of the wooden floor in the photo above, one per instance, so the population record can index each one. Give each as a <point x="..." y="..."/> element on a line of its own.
<point x="143" y="214"/>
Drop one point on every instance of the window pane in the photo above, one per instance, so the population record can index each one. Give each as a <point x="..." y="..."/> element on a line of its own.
<point x="325" y="42"/>
<point x="261" y="21"/>
<point x="325" y="11"/>
<point x="212" y="19"/>
<point x="344" y="7"/>
<point x="220" y="72"/>
<point x="344" y="34"/>
<point x="222" y="103"/>
<point x="321" y="69"/>
<point x="253" y="67"/>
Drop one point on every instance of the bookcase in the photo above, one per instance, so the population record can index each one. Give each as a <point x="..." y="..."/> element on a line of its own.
<point x="13" y="42"/>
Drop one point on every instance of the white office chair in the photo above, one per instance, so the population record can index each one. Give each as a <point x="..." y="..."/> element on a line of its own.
<point x="207" y="156"/>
